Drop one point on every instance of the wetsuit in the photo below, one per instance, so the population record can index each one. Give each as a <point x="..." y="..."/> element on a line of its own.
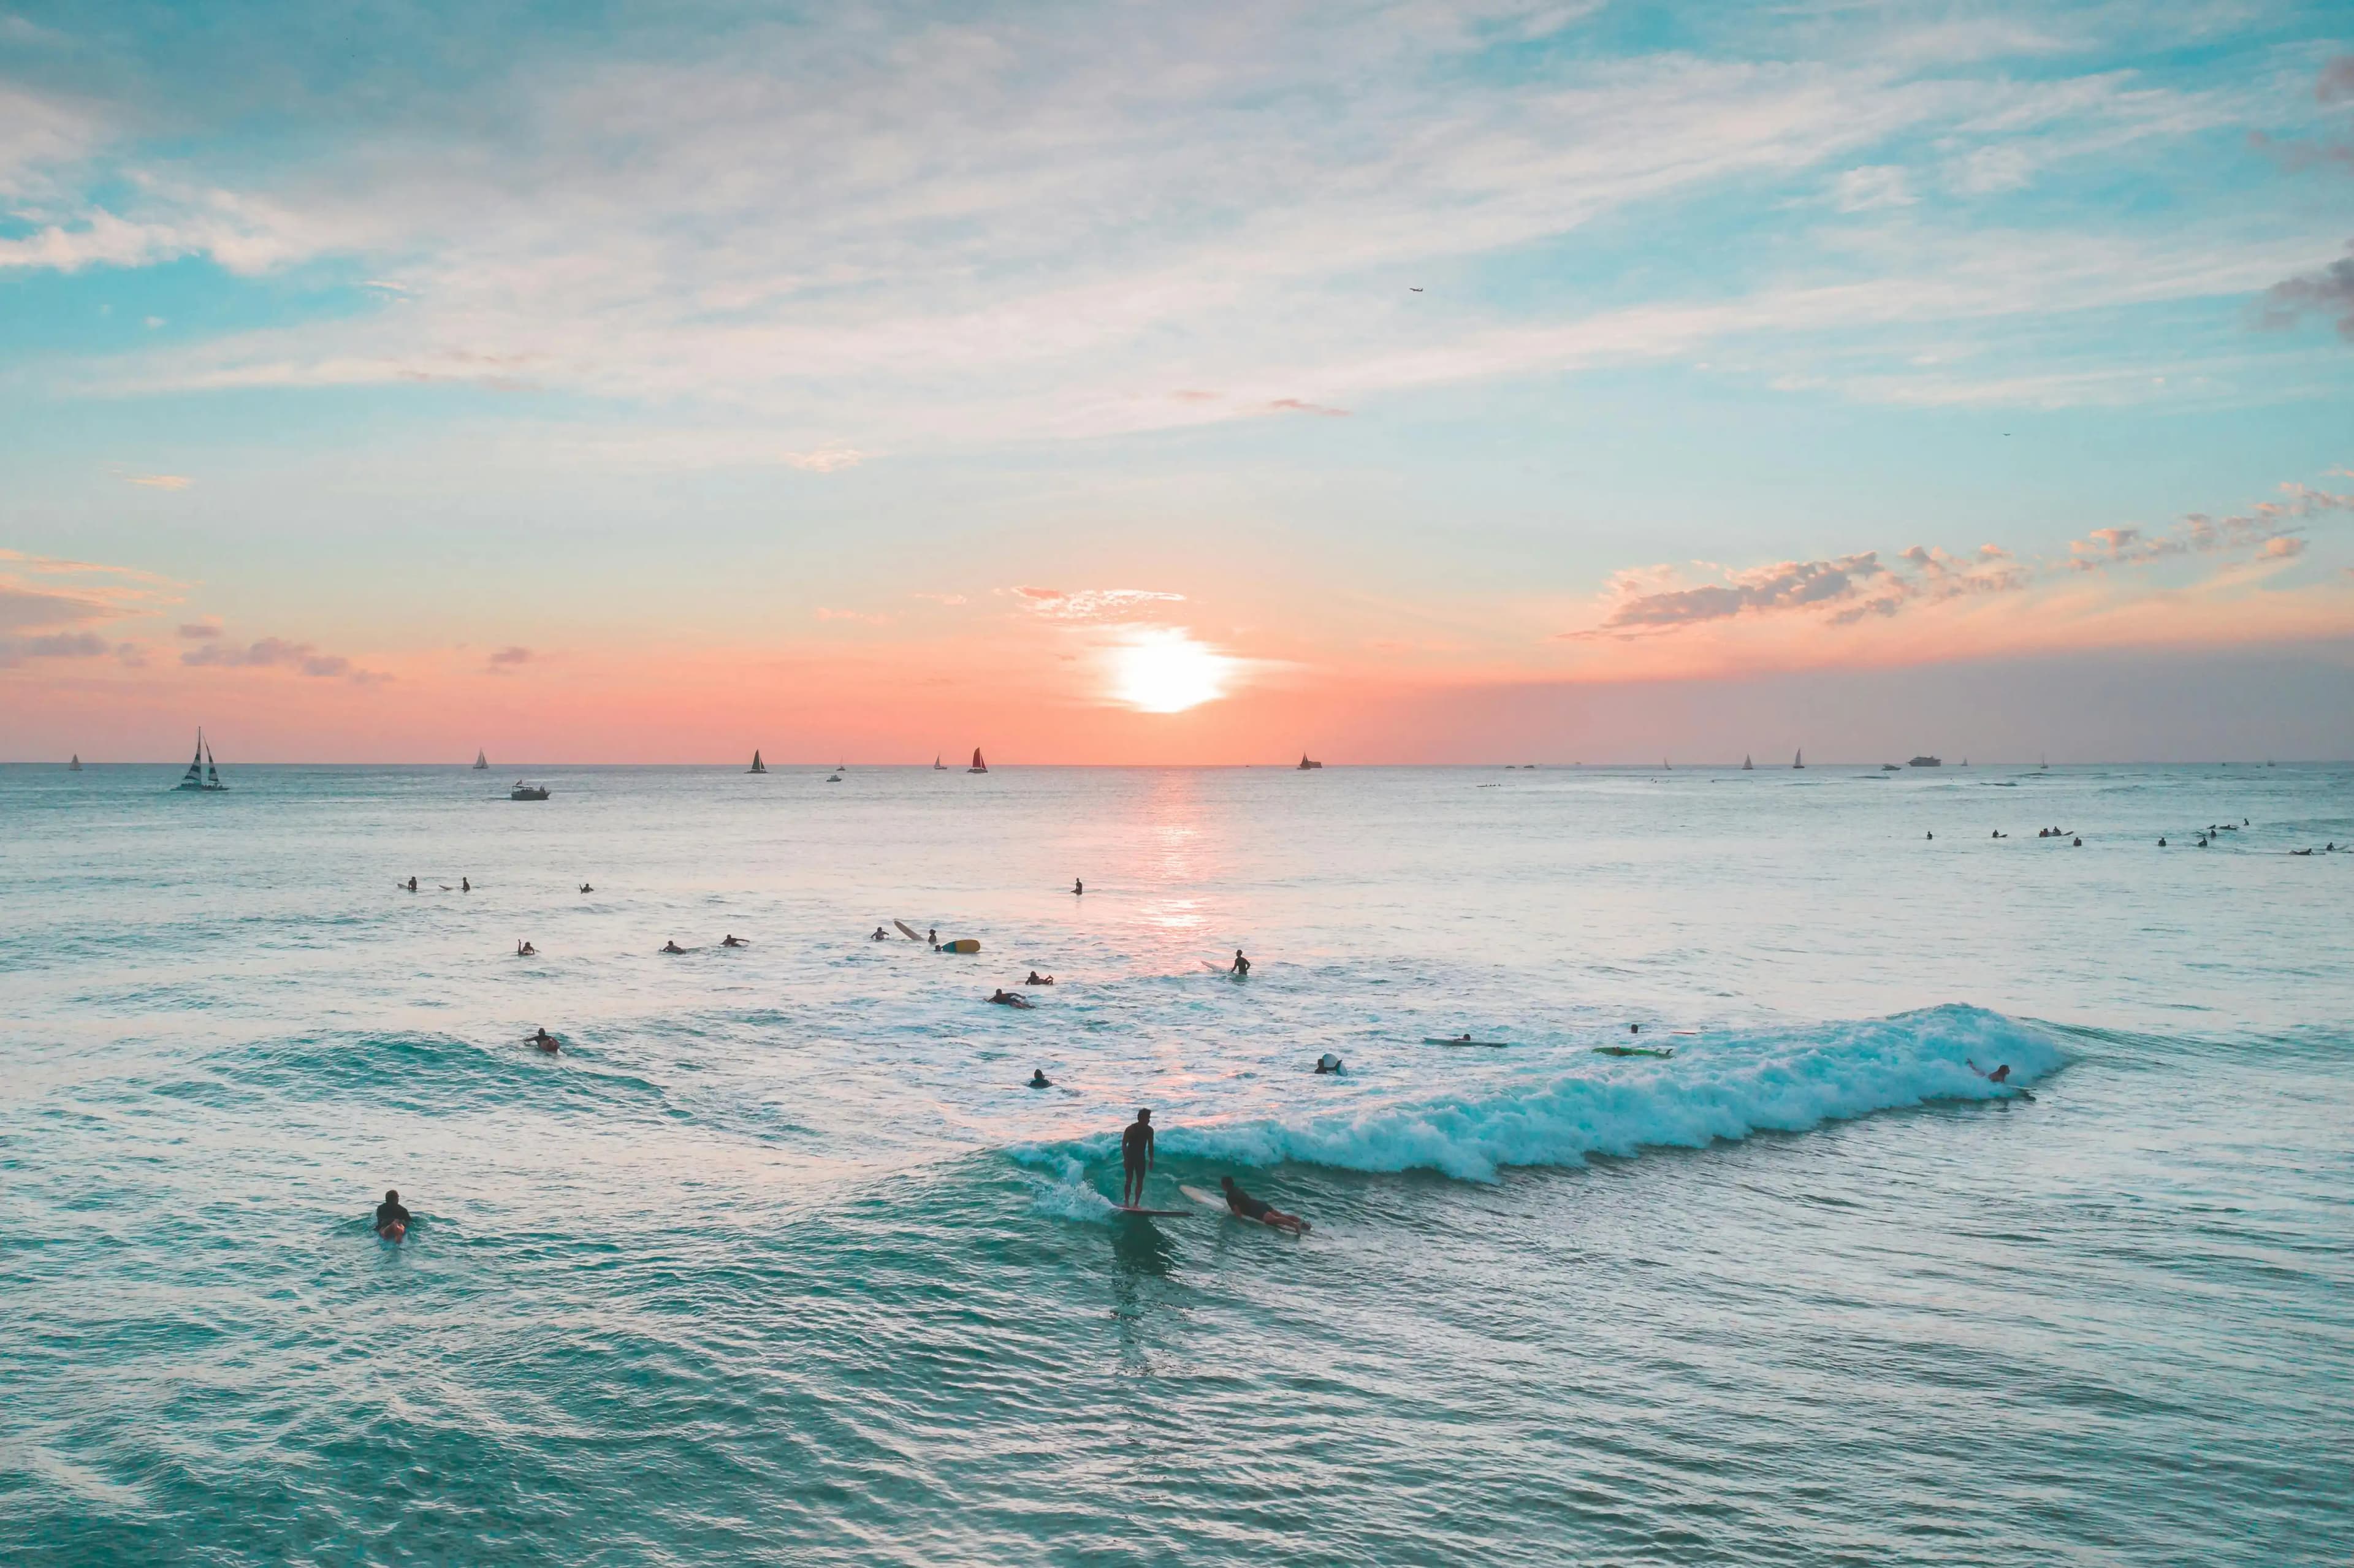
<point x="1249" y="1207"/>
<point x="389" y="1215"/>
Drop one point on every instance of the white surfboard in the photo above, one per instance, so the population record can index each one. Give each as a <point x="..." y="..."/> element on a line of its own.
<point x="907" y="931"/>
<point x="1210" y="1199"/>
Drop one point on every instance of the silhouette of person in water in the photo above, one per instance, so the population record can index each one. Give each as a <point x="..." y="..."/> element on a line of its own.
<point x="672" y="947"/>
<point x="1135" y="1159"/>
<point x="1007" y="998"/>
<point x="732" y="940"/>
<point x="1242" y="964"/>
<point x="1037" y="978"/>
<point x="412" y="885"/>
<point x="1328" y="1062"/>
<point x="1077" y="886"/>
<point x="878" y="936"/>
<point x="544" y="1041"/>
<point x="1039" y="1079"/>
<point x="465" y="885"/>
<point x="391" y="1219"/>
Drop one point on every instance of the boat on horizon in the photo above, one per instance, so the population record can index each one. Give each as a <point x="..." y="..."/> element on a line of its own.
<point x="1798" y="763"/>
<point x="525" y="790"/>
<point x="757" y="766"/>
<point x="75" y="765"/>
<point x="1926" y="762"/>
<point x="1747" y="766"/>
<point x="938" y="766"/>
<point x="482" y="762"/>
<point x="1306" y="763"/>
<point x="203" y="772"/>
<point x="977" y="765"/>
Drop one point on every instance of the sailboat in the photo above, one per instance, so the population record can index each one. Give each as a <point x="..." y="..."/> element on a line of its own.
<point x="1747" y="766"/>
<point x="757" y="766"/>
<point x="977" y="765"/>
<point x="1306" y="763"/>
<point x="1666" y="766"/>
<point x="75" y="765"/>
<point x="938" y="766"/>
<point x="482" y="762"/>
<point x="203" y="772"/>
<point x="1799" y="762"/>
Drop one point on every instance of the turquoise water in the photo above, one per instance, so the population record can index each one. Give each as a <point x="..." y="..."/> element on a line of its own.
<point x="778" y="1262"/>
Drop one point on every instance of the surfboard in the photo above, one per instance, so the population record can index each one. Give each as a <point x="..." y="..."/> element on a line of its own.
<point x="1631" y="1051"/>
<point x="1492" y="1045"/>
<point x="393" y="1232"/>
<point x="1152" y="1214"/>
<point x="1206" y="1199"/>
<point x="908" y="931"/>
<point x="1219" y="969"/>
<point x="961" y="945"/>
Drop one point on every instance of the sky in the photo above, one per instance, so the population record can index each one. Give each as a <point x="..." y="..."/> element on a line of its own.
<point x="1395" y="383"/>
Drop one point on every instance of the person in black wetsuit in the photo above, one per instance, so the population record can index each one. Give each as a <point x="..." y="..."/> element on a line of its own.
<point x="1135" y="1159"/>
<point x="1242" y="965"/>
<point x="1039" y="1080"/>
<point x="391" y="1219"/>
<point x="1246" y="1207"/>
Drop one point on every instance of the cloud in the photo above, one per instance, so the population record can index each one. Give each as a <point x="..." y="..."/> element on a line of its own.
<point x="826" y="459"/>
<point x="159" y="480"/>
<point x="199" y="631"/>
<point x="2264" y="528"/>
<point x="24" y="609"/>
<point x="864" y="618"/>
<point x="1094" y="604"/>
<point x="1840" y="591"/>
<point x="2329" y="291"/>
<point x="512" y="656"/>
<point x="1872" y="185"/>
<point x="943" y="598"/>
<point x="1294" y="406"/>
<point x="277" y="653"/>
<point x="55" y="645"/>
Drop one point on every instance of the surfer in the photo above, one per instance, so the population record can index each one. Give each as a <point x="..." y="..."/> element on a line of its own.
<point x="935" y="937"/>
<point x="464" y="885"/>
<point x="1077" y="886"/>
<point x="2000" y="1076"/>
<point x="1328" y="1062"/>
<point x="2161" y="841"/>
<point x="525" y="950"/>
<point x="1039" y="1080"/>
<point x="1246" y="1207"/>
<point x="412" y="885"/>
<point x="732" y="940"/>
<point x="586" y="888"/>
<point x="671" y="947"/>
<point x="1135" y="1159"/>
<point x="1005" y="998"/>
<point x="391" y="1219"/>
<point x="878" y="936"/>
<point x="1928" y="835"/>
<point x="1242" y="965"/>
<point x="544" y="1041"/>
<point x="2078" y="844"/>
<point x="1634" y="1029"/>
<point x="1037" y="978"/>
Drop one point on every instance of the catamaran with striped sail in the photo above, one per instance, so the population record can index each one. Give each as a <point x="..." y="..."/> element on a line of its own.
<point x="203" y="772"/>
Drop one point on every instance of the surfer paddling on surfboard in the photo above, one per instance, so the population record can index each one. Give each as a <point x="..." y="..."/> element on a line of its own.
<point x="1135" y="1159"/>
<point x="1246" y="1207"/>
<point x="391" y="1219"/>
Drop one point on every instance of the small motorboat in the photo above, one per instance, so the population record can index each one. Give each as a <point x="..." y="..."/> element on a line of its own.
<point x="524" y="790"/>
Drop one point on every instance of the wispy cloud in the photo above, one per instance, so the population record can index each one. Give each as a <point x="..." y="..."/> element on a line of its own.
<point x="1093" y="604"/>
<point x="864" y="618"/>
<point x="15" y="650"/>
<point x="159" y="480"/>
<point x="277" y="653"/>
<point x="200" y="631"/>
<point x="2264" y="528"/>
<point x="826" y="459"/>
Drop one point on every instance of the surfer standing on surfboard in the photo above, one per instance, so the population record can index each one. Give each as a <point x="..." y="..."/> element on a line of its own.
<point x="1135" y="1159"/>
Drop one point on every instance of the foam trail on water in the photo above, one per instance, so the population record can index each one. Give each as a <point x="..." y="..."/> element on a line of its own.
<point x="1726" y="1088"/>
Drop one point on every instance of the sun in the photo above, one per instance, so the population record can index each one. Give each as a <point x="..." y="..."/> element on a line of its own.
<point x="1165" y="671"/>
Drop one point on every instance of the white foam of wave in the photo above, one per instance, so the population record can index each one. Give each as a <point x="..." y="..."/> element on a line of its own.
<point x="1722" y="1088"/>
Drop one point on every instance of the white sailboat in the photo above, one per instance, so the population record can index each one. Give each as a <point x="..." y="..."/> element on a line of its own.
<point x="1799" y="762"/>
<point x="977" y="765"/>
<point x="482" y="762"/>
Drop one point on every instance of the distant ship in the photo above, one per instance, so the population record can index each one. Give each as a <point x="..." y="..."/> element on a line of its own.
<point x="526" y="791"/>
<point x="938" y="766"/>
<point x="757" y="766"/>
<point x="1926" y="762"/>
<point x="75" y="765"/>
<point x="482" y="762"/>
<point x="203" y="772"/>
<point x="1305" y="764"/>
<point x="1747" y="766"/>
<point x="1799" y="762"/>
<point x="977" y="765"/>
<point x="1891" y="768"/>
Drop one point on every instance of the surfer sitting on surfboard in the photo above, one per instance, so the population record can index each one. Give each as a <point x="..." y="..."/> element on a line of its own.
<point x="879" y="935"/>
<point x="1135" y="1159"/>
<point x="391" y="1219"/>
<point x="1039" y="1080"/>
<point x="544" y="1041"/>
<point x="732" y="940"/>
<point x="1249" y="1208"/>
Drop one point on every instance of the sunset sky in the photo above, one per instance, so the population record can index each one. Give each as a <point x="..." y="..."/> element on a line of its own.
<point x="1403" y="382"/>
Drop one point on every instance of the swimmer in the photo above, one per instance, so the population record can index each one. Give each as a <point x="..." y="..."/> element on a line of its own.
<point x="2078" y="844"/>
<point x="544" y="1041"/>
<point x="1328" y="1062"/>
<point x="525" y="950"/>
<point x="391" y="1219"/>
<point x="2161" y="842"/>
<point x="1007" y="998"/>
<point x="878" y="936"/>
<point x="1242" y="965"/>
<point x="1135" y="1157"/>
<point x="732" y="940"/>
<point x="1037" y="978"/>
<point x="586" y="888"/>
<point x="671" y="947"/>
<point x="1039" y="1080"/>
<point x="1243" y="1206"/>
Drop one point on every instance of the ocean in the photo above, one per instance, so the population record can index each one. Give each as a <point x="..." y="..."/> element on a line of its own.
<point x="779" y="1261"/>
